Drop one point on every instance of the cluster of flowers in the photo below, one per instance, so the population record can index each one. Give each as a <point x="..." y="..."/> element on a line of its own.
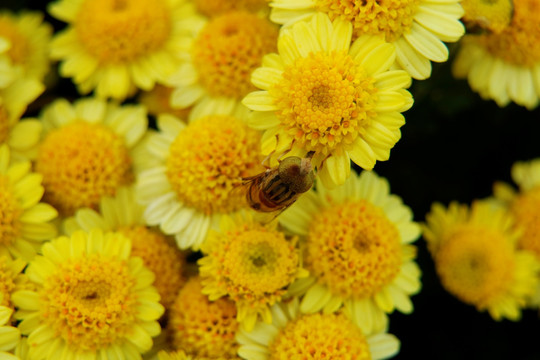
<point x="119" y="240"/>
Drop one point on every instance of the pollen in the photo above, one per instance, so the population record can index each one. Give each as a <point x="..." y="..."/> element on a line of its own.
<point x="80" y="163"/>
<point x="389" y="19"/>
<point x="325" y="100"/>
<point x="207" y="161"/>
<point x="19" y="50"/>
<point x="87" y="302"/>
<point x="120" y="31"/>
<point x="160" y="256"/>
<point x="525" y="210"/>
<point x="319" y="336"/>
<point x="229" y="48"/>
<point x="476" y="265"/>
<point x="10" y="213"/>
<point x="518" y="43"/>
<point x="212" y="8"/>
<point x="353" y="249"/>
<point x="201" y="327"/>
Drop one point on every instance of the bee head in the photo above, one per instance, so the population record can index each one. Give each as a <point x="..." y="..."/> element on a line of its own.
<point x="297" y="173"/>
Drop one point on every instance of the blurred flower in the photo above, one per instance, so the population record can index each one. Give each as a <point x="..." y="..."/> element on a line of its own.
<point x="158" y="101"/>
<point x="93" y="299"/>
<point x="357" y="250"/>
<point x="222" y="56"/>
<point x="505" y="66"/>
<point x="252" y="264"/>
<point x="196" y="168"/>
<point x="213" y="8"/>
<point x="25" y="222"/>
<point x="159" y="253"/>
<point x="24" y="41"/>
<point x="200" y="327"/>
<point x="476" y="258"/>
<point x="321" y="94"/>
<point x="10" y="336"/>
<point x="115" y="47"/>
<point x="416" y="28"/>
<point x="86" y="153"/>
<point x="316" y="336"/>
<point x="494" y="16"/>
<point x="21" y="136"/>
<point x="10" y="276"/>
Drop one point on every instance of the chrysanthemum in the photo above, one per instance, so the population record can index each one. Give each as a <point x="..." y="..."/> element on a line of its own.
<point x="505" y="66"/>
<point x="115" y="47"/>
<point x="86" y="152"/>
<point x="323" y="95"/>
<point x="357" y="250"/>
<point x="21" y="136"/>
<point x="213" y="8"/>
<point x="416" y="28"/>
<point x="196" y="168"/>
<point x="252" y="264"/>
<point x="476" y="258"/>
<point x="9" y="335"/>
<point x="25" y="222"/>
<point x="157" y="102"/>
<point x="200" y="327"/>
<point x="94" y="301"/>
<point x="221" y="57"/>
<point x="24" y="41"/>
<point x="488" y="15"/>
<point x="159" y="253"/>
<point x="293" y="335"/>
<point x="10" y="277"/>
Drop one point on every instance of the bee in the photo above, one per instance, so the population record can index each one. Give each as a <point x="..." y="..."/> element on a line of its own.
<point x="276" y="189"/>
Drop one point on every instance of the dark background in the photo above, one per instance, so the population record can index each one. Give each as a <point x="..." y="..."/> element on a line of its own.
<point x="453" y="147"/>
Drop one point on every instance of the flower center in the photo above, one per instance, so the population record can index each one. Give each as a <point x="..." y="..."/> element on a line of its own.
<point x="161" y="257"/>
<point x="6" y="281"/>
<point x="19" y="50"/>
<point x="88" y="302"/>
<point x="202" y="327"/>
<point x="256" y="261"/>
<point x="119" y="31"/>
<point x="324" y="100"/>
<point x="519" y="43"/>
<point x="4" y="123"/>
<point x="229" y="48"/>
<point x="207" y="161"/>
<point x="10" y="213"/>
<point x="353" y="249"/>
<point x="80" y="163"/>
<point x="476" y="265"/>
<point x="494" y="15"/>
<point x="388" y="18"/>
<point x="320" y="336"/>
<point x="212" y="8"/>
<point x="525" y="211"/>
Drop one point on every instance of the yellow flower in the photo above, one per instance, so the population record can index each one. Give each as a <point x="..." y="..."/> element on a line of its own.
<point x="24" y="41"/>
<point x="494" y="16"/>
<point x="323" y="95"/>
<point x="196" y="168"/>
<point x="10" y="279"/>
<point x="200" y="327"/>
<point x="115" y="47"/>
<point x="416" y="28"/>
<point x="159" y="253"/>
<point x="87" y="151"/>
<point x="250" y="263"/>
<point x="293" y="335"/>
<point x="213" y="8"/>
<point x="25" y="222"/>
<point x="222" y="54"/>
<point x="94" y="301"/>
<point x="357" y="250"/>
<point x="157" y="102"/>
<point x="505" y="66"/>
<point x="476" y="258"/>
<point x="10" y="336"/>
<point x="21" y="136"/>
